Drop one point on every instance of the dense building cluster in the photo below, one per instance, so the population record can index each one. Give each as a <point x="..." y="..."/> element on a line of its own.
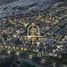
<point x="52" y="40"/>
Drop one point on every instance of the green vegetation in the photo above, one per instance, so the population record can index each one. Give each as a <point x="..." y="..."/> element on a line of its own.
<point x="25" y="64"/>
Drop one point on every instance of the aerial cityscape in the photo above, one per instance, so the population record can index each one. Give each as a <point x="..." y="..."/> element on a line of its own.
<point x="33" y="33"/>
